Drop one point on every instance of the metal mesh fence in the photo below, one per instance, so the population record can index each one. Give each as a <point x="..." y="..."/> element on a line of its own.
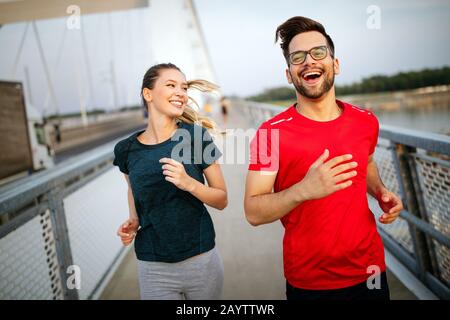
<point x="435" y="182"/>
<point x="399" y="230"/>
<point x="29" y="266"/>
<point x="60" y="226"/>
<point x="93" y="213"/>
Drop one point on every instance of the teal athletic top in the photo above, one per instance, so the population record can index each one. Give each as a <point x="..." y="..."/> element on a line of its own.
<point x="174" y="225"/>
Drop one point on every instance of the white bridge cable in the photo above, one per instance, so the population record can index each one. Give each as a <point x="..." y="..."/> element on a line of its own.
<point x="19" y="51"/>
<point x="56" y="68"/>
<point x="46" y="69"/>
<point x="91" y="94"/>
<point x="112" y="65"/>
<point x="130" y="53"/>
<point x="28" y="85"/>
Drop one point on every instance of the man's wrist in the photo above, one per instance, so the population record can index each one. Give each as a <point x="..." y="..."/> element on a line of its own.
<point x="378" y="191"/>
<point x="298" y="193"/>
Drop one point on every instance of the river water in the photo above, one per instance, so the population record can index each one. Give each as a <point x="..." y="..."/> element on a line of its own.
<point x="436" y="120"/>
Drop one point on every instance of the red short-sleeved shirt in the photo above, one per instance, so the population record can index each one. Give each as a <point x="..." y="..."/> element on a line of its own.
<point x="329" y="243"/>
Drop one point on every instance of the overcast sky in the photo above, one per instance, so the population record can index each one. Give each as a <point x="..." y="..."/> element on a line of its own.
<point x="240" y="35"/>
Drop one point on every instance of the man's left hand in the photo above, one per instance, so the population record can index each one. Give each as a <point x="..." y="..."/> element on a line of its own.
<point x="391" y="205"/>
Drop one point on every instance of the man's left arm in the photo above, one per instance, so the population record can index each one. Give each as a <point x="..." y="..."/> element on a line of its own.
<point x="389" y="202"/>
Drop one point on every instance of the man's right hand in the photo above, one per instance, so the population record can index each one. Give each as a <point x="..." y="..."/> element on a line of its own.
<point x="127" y="231"/>
<point x="324" y="178"/>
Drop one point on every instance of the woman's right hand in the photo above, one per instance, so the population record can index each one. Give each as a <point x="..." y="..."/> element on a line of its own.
<point x="127" y="231"/>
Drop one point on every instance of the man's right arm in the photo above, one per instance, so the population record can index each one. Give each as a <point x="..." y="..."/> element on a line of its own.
<point x="322" y="179"/>
<point x="261" y="204"/>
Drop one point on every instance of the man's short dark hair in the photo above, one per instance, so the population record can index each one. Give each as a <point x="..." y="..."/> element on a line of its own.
<point x="296" y="25"/>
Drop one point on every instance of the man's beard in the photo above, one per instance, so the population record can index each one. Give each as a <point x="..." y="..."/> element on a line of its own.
<point x="315" y="93"/>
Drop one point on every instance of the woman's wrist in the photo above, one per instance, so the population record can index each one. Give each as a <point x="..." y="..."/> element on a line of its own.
<point x="192" y="185"/>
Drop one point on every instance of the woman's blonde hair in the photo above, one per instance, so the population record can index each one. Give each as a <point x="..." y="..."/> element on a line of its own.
<point x="190" y="115"/>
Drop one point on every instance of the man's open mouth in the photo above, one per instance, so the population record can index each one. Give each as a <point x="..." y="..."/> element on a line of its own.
<point x="311" y="77"/>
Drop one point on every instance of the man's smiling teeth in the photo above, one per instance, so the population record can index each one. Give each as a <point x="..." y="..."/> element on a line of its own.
<point x="311" y="74"/>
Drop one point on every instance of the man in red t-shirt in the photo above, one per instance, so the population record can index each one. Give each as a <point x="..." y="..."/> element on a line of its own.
<point x="317" y="157"/>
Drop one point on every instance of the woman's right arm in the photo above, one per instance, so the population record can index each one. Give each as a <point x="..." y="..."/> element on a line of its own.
<point x="131" y="206"/>
<point x="127" y="230"/>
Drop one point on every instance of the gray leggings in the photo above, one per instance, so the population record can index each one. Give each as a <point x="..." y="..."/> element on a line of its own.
<point x="196" y="278"/>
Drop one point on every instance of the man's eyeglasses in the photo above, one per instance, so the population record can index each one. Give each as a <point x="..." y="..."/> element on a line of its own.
<point x="317" y="53"/>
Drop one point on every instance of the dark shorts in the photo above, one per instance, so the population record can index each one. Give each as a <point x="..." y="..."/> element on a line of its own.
<point x="356" y="292"/>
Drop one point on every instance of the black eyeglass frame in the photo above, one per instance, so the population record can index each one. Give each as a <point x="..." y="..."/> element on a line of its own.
<point x="309" y="52"/>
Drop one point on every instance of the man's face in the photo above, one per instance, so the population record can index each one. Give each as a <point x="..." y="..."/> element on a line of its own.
<point x="312" y="78"/>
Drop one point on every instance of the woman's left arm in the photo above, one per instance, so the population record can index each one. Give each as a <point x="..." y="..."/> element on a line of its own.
<point x="214" y="194"/>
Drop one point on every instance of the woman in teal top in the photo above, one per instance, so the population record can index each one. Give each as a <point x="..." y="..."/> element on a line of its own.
<point x="164" y="166"/>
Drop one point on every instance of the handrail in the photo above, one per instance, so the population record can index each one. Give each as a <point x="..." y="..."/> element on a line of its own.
<point x="12" y="196"/>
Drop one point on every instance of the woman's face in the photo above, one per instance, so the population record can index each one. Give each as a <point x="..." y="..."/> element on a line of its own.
<point x="169" y="94"/>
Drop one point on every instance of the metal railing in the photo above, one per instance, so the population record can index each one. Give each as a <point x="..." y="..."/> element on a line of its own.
<point x="416" y="166"/>
<point x="62" y="217"/>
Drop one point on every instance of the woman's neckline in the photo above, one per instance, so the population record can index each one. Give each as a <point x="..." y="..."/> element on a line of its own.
<point x="159" y="143"/>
